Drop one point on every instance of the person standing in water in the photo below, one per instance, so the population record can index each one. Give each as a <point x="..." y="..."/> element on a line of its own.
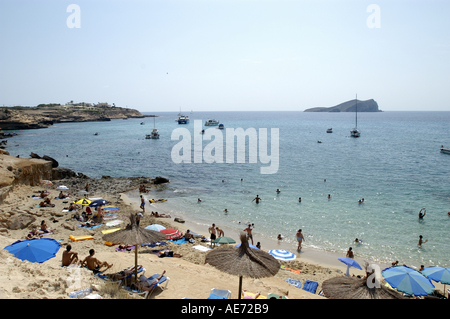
<point x="257" y="198"/>
<point x="300" y="239"/>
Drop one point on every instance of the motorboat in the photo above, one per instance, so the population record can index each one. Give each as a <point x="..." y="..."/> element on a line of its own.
<point x="211" y="122"/>
<point x="445" y="150"/>
<point x="330" y="130"/>
<point x="182" y="119"/>
<point x="355" y="132"/>
<point x="221" y="126"/>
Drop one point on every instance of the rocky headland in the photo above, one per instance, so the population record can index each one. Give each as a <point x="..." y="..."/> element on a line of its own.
<point x="19" y="118"/>
<point x="349" y="106"/>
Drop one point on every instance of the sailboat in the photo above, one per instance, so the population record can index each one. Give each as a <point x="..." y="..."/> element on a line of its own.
<point x="355" y="132"/>
<point x="154" y="134"/>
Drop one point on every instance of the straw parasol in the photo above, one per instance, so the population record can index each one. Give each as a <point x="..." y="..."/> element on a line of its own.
<point x="134" y="235"/>
<point x="243" y="261"/>
<point x="356" y="288"/>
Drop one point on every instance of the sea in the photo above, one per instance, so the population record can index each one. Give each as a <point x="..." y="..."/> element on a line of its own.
<point x="395" y="165"/>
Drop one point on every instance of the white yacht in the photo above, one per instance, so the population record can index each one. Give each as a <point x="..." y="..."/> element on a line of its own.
<point x="211" y="122"/>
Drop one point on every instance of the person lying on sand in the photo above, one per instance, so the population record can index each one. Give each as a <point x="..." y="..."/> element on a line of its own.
<point x="155" y="214"/>
<point x="62" y="195"/>
<point x="245" y="296"/>
<point x="123" y="273"/>
<point x="44" y="227"/>
<point x="35" y="233"/>
<point x="127" y="247"/>
<point x="146" y="283"/>
<point x="93" y="263"/>
<point x="69" y="257"/>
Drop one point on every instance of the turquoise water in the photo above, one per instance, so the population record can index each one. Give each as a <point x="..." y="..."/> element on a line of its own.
<point x="395" y="166"/>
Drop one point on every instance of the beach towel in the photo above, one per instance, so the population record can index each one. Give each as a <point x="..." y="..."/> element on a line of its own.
<point x="125" y="249"/>
<point x="38" y="206"/>
<point x="90" y="227"/>
<point x="201" y="248"/>
<point x="179" y="241"/>
<point x="114" y="223"/>
<point x="44" y="234"/>
<point x="110" y="208"/>
<point x="310" y="286"/>
<point x="294" y="282"/>
<point x="151" y="245"/>
<point x="37" y="197"/>
<point x="108" y="231"/>
<point x="110" y="216"/>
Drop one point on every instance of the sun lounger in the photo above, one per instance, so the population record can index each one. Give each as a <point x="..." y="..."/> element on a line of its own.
<point x="107" y="278"/>
<point x="310" y="286"/>
<point x="145" y="293"/>
<point x="219" y="294"/>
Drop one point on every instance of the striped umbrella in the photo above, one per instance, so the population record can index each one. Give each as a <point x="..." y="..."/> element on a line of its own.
<point x="408" y="280"/>
<point x="171" y="233"/>
<point x="282" y="254"/>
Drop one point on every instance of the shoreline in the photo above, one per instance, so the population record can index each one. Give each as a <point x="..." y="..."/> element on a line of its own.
<point x="190" y="276"/>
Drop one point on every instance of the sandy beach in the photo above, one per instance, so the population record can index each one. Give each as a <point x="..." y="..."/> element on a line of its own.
<point x="189" y="276"/>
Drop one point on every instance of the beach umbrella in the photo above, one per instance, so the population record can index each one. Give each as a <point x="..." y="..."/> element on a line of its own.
<point x="356" y="288"/>
<point x="171" y="233"/>
<point x="224" y="240"/>
<point x="408" y="280"/>
<point x="134" y="235"/>
<point x="438" y="274"/>
<point x="243" y="261"/>
<point x="282" y="254"/>
<point x="156" y="227"/>
<point x="46" y="182"/>
<point x="34" y="250"/>
<point x="98" y="202"/>
<point x="62" y="187"/>
<point x="350" y="263"/>
<point x="83" y="201"/>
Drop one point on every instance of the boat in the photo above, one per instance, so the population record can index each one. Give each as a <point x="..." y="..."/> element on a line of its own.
<point x="445" y="150"/>
<point x="210" y="122"/>
<point x="154" y="134"/>
<point x="330" y="130"/>
<point x="355" y="132"/>
<point x="221" y="126"/>
<point x="182" y="119"/>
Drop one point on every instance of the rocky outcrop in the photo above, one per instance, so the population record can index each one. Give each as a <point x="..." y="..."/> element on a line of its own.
<point x="43" y="117"/>
<point x="349" y="106"/>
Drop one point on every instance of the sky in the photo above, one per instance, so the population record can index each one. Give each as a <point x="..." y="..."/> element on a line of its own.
<point x="226" y="55"/>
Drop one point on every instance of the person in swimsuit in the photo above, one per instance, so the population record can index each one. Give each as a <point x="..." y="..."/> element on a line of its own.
<point x="257" y="198"/>
<point x="249" y="231"/>
<point x="142" y="204"/>
<point x="300" y="238"/>
<point x="212" y="231"/>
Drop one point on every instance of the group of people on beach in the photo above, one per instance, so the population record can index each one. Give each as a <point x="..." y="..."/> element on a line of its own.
<point x="92" y="263"/>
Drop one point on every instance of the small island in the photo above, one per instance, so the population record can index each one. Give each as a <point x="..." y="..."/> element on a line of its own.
<point x="45" y="115"/>
<point x="349" y="106"/>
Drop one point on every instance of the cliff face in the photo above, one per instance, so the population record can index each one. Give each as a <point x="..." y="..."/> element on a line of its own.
<point x="35" y="117"/>
<point x="349" y="106"/>
<point x="24" y="171"/>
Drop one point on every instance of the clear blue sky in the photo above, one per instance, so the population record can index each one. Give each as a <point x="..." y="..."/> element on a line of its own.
<point x="219" y="55"/>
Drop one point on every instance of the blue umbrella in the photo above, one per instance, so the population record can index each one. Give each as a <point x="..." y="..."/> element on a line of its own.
<point x="438" y="274"/>
<point x="98" y="202"/>
<point x="34" y="250"/>
<point x="282" y="254"/>
<point x="408" y="280"/>
<point x="350" y="263"/>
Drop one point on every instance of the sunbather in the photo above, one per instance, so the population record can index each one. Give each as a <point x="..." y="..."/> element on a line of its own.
<point x="69" y="257"/>
<point x="255" y="296"/>
<point x="123" y="273"/>
<point x="93" y="263"/>
<point x="146" y="283"/>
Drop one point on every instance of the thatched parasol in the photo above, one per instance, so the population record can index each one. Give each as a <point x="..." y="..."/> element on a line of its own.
<point x="243" y="261"/>
<point x="134" y="235"/>
<point x="356" y="288"/>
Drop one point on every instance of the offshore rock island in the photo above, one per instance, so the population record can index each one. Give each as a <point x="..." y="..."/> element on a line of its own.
<point x="349" y="106"/>
<point x="45" y="115"/>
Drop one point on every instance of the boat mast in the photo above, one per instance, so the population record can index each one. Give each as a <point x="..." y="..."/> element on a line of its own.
<point x="356" y="111"/>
